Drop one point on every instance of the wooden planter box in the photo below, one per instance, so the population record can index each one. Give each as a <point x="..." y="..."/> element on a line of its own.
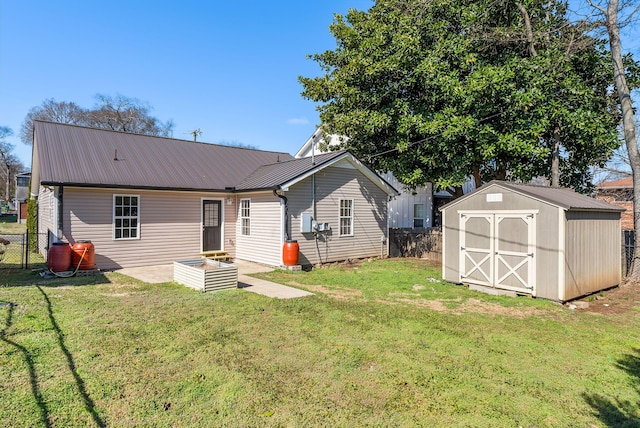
<point x="206" y="275"/>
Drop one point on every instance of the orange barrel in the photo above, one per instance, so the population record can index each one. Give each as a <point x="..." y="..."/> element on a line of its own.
<point x="59" y="257"/>
<point x="290" y="253"/>
<point x="86" y="248"/>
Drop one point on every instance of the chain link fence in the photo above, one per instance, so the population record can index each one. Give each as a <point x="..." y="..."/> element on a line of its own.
<point x="20" y="250"/>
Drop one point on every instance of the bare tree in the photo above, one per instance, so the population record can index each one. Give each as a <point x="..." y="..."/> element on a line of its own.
<point x="10" y="163"/>
<point x="117" y="113"/>
<point x="612" y="24"/>
<point x="52" y="111"/>
<point x="126" y="114"/>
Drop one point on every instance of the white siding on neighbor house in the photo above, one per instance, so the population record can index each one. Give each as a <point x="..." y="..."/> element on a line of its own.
<point x="401" y="206"/>
<point x="264" y="244"/>
<point x="170" y="225"/>
<point x="340" y="181"/>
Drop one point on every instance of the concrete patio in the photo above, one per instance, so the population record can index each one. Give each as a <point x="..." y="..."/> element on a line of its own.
<point x="164" y="273"/>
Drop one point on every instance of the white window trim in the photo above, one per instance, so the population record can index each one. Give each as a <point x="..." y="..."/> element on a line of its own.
<point x="340" y="217"/>
<point x="242" y="217"/>
<point x="113" y="217"/>
<point x="424" y="220"/>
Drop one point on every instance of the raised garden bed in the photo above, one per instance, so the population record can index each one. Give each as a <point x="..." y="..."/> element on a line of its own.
<point x="206" y="275"/>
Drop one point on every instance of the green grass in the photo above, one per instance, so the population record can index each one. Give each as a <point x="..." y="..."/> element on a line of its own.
<point x="8" y="224"/>
<point x="382" y="345"/>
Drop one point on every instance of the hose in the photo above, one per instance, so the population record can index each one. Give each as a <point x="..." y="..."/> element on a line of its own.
<point x="69" y="275"/>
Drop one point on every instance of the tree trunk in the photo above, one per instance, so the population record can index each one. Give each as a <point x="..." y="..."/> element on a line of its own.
<point x="626" y="107"/>
<point x="555" y="160"/>
<point x="8" y="183"/>
<point x="477" y="178"/>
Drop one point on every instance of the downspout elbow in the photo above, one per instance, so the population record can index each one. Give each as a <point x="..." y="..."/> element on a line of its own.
<point x="286" y="214"/>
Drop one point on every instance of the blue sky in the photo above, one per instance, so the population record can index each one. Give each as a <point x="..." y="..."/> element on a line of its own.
<point x="227" y="68"/>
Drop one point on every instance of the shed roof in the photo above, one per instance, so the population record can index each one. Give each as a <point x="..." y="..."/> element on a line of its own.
<point x="76" y="155"/>
<point x="564" y="198"/>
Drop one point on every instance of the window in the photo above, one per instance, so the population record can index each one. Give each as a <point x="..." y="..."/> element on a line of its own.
<point x="418" y="215"/>
<point x="126" y="217"/>
<point x="22" y="181"/>
<point x="245" y="216"/>
<point x="346" y="217"/>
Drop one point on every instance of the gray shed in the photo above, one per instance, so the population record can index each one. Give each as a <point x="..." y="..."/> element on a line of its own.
<point x="545" y="242"/>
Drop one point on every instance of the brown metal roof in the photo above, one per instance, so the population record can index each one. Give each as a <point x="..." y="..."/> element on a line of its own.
<point x="278" y="173"/>
<point x="75" y="155"/>
<point x="561" y="197"/>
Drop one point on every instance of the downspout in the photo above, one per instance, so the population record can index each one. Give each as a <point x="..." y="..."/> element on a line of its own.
<point x="286" y="214"/>
<point x="59" y="208"/>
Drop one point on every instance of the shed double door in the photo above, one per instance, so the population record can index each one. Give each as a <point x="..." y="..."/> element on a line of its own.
<point x="498" y="250"/>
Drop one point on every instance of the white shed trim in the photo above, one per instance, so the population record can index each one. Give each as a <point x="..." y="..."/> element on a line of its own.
<point x="562" y="281"/>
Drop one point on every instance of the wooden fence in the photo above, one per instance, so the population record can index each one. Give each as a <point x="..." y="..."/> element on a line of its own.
<point x="422" y="243"/>
<point x="628" y="245"/>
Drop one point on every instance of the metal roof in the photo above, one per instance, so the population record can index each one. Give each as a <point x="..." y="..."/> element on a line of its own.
<point x="564" y="198"/>
<point x="278" y="173"/>
<point x="285" y="174"/>
<point x="75" y="155"/>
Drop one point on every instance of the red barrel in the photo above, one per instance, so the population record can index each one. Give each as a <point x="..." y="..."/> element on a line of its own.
<point x="87" y="249"/>
<point x="59" y="257"/>
<point x="290" y="253"/>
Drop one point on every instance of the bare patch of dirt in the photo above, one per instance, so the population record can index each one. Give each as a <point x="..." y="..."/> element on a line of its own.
<point x="470" y="306"/>
<point x="339" y="293"/>
<point x="619" y="300"/>
<point x="115" y="294"/>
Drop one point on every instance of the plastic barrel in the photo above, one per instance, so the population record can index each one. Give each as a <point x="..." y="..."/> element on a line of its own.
<point x="86" y="248"/>
<point x="59" y="257"/>
<point x="290" y="253"/>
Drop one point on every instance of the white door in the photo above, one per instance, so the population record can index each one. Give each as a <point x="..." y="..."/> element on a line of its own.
<point x="498" y="250"/>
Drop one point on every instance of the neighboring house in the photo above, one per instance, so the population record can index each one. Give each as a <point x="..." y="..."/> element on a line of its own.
<point x="620" y="193"/>
<point x="412" y="208"/>
<point x="146" y="200"/>
<point x="22" y="195"/>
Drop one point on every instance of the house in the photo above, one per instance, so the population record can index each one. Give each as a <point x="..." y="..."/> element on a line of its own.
<point x="146" y="200"/>
<point x="412" y="208"/>
<point x="547" y="242"/>
<point x="620" y="193"/>
<point x="22" y="195"/>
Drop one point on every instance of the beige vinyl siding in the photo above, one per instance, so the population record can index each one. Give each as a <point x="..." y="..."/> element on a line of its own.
<point x="593" y="252"/>
<point x="46" y="217"/>
<point x="264" y="244"/>
<point x="369" y="216"/>
<point x="170" y="226"/>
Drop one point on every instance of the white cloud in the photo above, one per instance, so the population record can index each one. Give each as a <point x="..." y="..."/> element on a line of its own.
<point x="298" y="121"/>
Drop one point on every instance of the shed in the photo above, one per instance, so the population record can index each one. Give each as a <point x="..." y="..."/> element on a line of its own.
<point x="545" y="242"/>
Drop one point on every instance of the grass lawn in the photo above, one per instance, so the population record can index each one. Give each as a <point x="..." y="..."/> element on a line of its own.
<point x="383" y="343"/>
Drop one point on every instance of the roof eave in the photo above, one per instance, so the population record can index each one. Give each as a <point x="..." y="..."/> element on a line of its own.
<point x="375" y="178"/>
<point x="133" y="187"/>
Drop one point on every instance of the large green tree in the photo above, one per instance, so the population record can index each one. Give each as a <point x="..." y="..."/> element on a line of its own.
<point x="446" y="89"/>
